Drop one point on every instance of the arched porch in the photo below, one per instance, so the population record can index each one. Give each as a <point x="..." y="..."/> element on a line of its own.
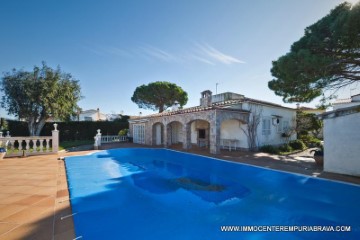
<point x="158" y="133"/>
<point x="175" y="133"/>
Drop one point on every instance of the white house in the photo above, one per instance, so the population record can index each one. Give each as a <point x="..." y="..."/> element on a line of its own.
<point x="91" y="115"/>
<point x="221" y="121"/>
<point x="348" y="102"/>
<point x="342" y="140"/>
<point x="113" y="116"/>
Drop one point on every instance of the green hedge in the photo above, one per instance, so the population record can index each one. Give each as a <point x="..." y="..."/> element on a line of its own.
<point x="69" y="131"/>
<point x="269" y="149"/>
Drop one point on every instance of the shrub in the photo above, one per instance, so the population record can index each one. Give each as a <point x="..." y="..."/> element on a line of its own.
<point x="307" y="139"/>
<point x="297" y="144"/>
<point x="310" y="141"/>
<point x="269" y="149"/>
<point x="285" y="148"/>
<point x="315" y="143"/>
<point x="123" y="132"/>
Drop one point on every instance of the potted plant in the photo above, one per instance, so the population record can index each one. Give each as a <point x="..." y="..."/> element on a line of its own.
<point x="319" y="155"/>
<point x="2" y="152"/>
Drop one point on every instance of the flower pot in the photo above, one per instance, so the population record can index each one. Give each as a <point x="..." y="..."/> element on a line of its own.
<point x="2" y="152"/>
<point x="318" y="156"/>
<point x="319" y="160"/>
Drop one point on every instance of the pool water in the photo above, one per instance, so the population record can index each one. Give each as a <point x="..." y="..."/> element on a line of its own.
<point x="164" y="194"/>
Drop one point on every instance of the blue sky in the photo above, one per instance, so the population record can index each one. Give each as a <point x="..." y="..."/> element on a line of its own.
<point x="113" y="46"/>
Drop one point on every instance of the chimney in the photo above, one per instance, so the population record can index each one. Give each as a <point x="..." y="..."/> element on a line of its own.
<point x="205" y="100"/>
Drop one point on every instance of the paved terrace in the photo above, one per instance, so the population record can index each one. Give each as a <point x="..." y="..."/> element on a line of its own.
<point x="34" y="196"/>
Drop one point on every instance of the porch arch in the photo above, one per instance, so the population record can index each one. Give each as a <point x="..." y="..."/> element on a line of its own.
<point x="197" y="132"/>
<point x="158" y="133"/>
<point x="175" y="133"/>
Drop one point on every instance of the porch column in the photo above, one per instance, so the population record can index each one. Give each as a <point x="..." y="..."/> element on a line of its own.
<point x="167" y="135"/>
<point x="214" y="137"/>
<point x="186" y="136"/>
<point x="55" y="139"/>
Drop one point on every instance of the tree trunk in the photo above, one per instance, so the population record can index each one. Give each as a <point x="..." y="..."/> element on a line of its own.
<point x="35" y="127"/>
<point x="161" y="108"/>
<point x="31" y="127"/>
<point x="39" y="126"/>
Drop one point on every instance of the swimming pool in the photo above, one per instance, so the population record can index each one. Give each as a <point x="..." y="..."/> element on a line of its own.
<point x="164" y="194"/>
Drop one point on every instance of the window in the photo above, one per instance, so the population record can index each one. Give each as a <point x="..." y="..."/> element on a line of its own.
<point x="266" y="123"/>
<point x="139" y="133"/>
<point x="202" y="133"/>
<point x="88" y="119"/>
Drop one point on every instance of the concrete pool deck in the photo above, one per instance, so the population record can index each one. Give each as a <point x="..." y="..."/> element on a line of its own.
<point x="34" y="195"/>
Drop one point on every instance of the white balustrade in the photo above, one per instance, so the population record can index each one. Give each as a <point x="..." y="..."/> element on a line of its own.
<point x="34" y="145"/>
<point x="113" y="138"/>
<point x="99" y="139"/>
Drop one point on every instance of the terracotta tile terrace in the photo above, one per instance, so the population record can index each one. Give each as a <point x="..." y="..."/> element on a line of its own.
<point x="34" y="198"/>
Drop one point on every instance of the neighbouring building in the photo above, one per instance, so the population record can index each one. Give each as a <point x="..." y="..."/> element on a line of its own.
<point x="113" y="116"/>
<point x="347" y="102"/>
<point x="315" y="111"/>
<point x="220" y="121"/>
<point x="90" y="115"/>
<point x="342" y="140"/>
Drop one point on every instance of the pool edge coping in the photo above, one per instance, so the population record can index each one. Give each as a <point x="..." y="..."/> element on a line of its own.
<point x="228" y="161"/>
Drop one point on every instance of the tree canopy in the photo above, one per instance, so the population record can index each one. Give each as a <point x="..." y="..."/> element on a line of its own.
<point x="37" y="95"/>
<point x="325" y="59"/>
<point x="308" y="123"/>
<point x="159" y="96"/>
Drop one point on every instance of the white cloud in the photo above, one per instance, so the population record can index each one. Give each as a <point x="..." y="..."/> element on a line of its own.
<point x="201" y="59"/>
<point x="158" y="53"/>
<point x="204" y="53"/>
<point x="211" y="53"/>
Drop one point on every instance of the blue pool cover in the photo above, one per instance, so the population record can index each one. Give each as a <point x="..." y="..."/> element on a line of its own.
<point x="164" y="194"/>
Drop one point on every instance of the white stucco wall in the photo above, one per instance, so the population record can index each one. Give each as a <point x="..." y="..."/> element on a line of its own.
<point x="231" y="129"/>
<point x="270" y="112"/>
<point x="345" y="105"/>
<point x="342" y="144"/>
<point x="93" y="115"/>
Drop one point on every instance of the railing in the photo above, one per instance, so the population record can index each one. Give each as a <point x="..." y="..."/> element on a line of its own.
<point x="18" y="146"/>
<point x="26" y="146"/>
<point x="113" y="138"/>
<point x="99" y="139"/>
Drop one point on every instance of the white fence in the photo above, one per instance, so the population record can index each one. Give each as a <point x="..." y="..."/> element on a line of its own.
<point x="113" y="138"/>
<point x="26" y="146"/>
<point x="99" y="139"/>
